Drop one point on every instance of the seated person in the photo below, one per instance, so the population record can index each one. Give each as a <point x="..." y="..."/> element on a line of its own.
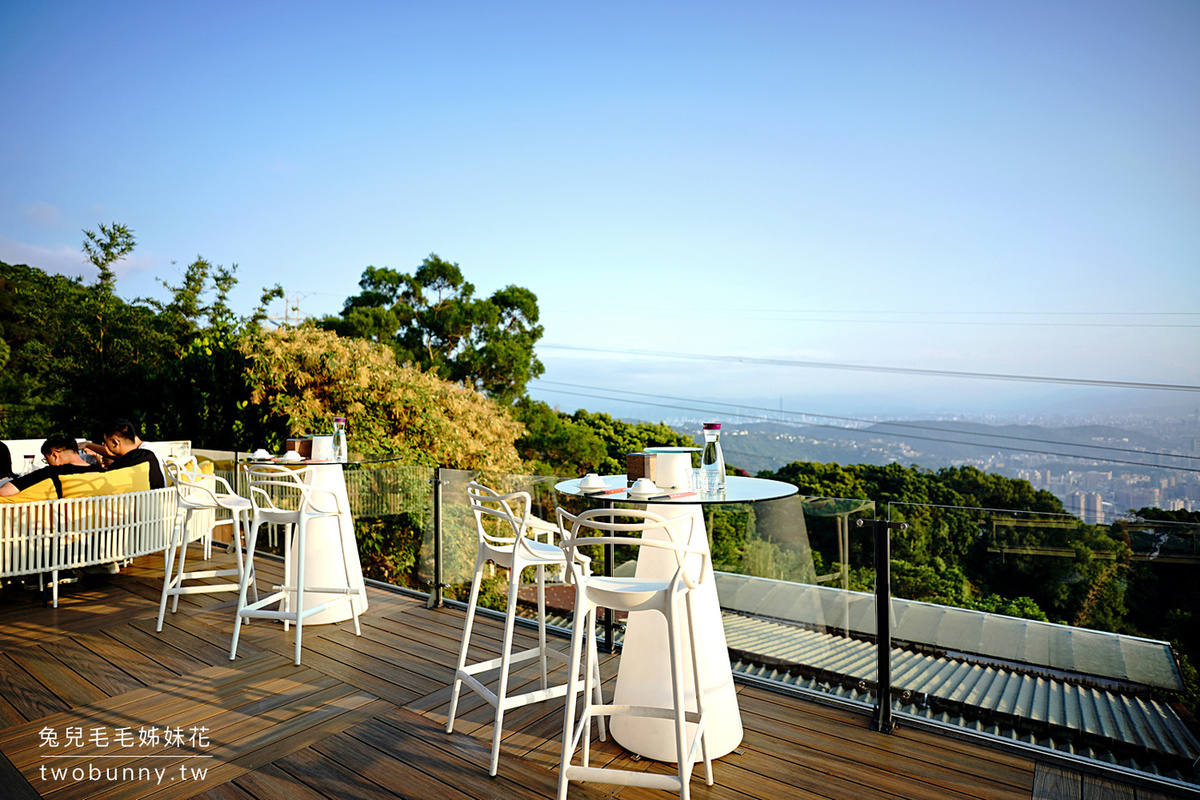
<point x="61" y="454"/>
<point x="125" y="447"/>
<point x="6" y="472"/>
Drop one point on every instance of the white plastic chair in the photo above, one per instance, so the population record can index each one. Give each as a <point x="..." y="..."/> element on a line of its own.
<point x="199" y="491"/>
<point x="188" y="464"/>
<point x="280" y="495"/>
<point x="606" y="526"/>
<point x="515" y="547"/>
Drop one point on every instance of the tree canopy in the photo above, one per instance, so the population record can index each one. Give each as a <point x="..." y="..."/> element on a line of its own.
<point x="556" y="443"/>
<point x="79" y="355"/>
<point x="303" y="377"/>
<point x="433" y="320"/>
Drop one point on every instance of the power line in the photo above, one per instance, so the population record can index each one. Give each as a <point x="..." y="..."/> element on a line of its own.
<point x="889" y="317"/>
<point x="1081" y="319"/>
<point x="899" y="312"/>
<point x="963" y="312"/>
<point x="758" y="417"/>
<point x="779" y="362"/>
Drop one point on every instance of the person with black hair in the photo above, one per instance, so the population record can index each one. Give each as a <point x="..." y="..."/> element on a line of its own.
<point x="124" y="445"/>
<point x="61" y="454"/>
<point x="6" y="471"/>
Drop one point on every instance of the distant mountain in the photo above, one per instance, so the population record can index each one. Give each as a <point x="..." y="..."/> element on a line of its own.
<point x="932" y="444"/>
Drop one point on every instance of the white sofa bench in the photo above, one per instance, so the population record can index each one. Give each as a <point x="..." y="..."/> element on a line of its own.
<point x="102" y="524"/>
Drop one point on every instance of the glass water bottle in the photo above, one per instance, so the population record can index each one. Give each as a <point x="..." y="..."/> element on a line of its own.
<point x="339" y="440"/>
<point x="712" y="461"/>
<point x="29" y="466"/>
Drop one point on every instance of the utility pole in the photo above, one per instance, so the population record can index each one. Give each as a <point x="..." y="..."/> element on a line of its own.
<point x="291" y="310"/>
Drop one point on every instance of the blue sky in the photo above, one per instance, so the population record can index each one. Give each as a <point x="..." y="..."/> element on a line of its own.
<point x="988" y="187"/>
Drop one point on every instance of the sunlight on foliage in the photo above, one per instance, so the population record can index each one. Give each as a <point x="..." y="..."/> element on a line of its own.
<point x="303" y="377"/>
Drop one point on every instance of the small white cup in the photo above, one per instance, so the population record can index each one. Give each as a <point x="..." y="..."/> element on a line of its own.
<point x="260" y="453"/>
<point x="643" y="486"/>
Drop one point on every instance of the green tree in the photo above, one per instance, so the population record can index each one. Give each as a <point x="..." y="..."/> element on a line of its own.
<point x="36" y="328"/>
<point x="209" y="401"/>
<point x="106" y="248"/>
<point x="105" y="315"/>
<point x="989" y="490"/>
<point x="433" y="321"/>
<point x="78" y="354"/>
<point x="945" y="555"/>
<point x="116" y="348"/>
<point x="303" y="377"/>
<point x="619" y="438"/>
<point x="729" y="528"/>
<point x="556" y="444"/>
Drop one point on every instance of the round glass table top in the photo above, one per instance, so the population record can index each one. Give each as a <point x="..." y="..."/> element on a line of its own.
<point x="737" y="490"/>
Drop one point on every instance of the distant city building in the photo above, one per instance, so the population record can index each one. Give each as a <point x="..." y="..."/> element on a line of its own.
<point x="1089" y="506"/>
<point x="1139" y="497"/>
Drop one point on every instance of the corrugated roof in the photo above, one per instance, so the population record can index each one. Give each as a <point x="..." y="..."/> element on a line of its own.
<point x="1010" y="698"/>
<point x="974" y="682"/>
<point x="1127" y="659"/>
<point x="1062" y="743"/>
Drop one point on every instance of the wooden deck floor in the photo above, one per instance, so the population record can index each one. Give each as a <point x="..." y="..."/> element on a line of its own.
<point x="363" y="717"/>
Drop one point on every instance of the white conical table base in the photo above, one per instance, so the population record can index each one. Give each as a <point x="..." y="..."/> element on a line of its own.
<point x="323" y="561"/>
<point x="644" y="675"/>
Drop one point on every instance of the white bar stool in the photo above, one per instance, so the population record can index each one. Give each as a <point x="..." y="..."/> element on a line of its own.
<point x="604" y="526"/>
<point x="514" y="547"/>
<point x="280" y="495"/>
<point x="200" y="491"/>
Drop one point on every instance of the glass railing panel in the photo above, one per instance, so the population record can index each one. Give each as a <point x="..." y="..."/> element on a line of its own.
<point x="393" y="509"/>
<point x="794" y="577"/>
<point x="459" y="541"/>
<point x="392" y="506"/>
<point x="1041" y="626"/>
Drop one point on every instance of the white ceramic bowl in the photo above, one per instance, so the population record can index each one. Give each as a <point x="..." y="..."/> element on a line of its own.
<point x="591" y="481"/>
<point x="643" y="486"/>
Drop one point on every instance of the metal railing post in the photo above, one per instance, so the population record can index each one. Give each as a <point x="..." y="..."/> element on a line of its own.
<point x="435" y="591"/>
<point x="609" y="645"/>
<point x="882" y="718"/>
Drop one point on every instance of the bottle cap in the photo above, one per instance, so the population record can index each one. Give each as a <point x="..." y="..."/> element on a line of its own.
<point x="712" y="426"/>
<point x="339" y="419"/>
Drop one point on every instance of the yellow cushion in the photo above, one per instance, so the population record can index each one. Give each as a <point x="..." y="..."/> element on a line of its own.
<point x="42" y="490"/>
<point x="191" y="466"/>
<point x="114" y="481"/>
<point x="88" y="484"/>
